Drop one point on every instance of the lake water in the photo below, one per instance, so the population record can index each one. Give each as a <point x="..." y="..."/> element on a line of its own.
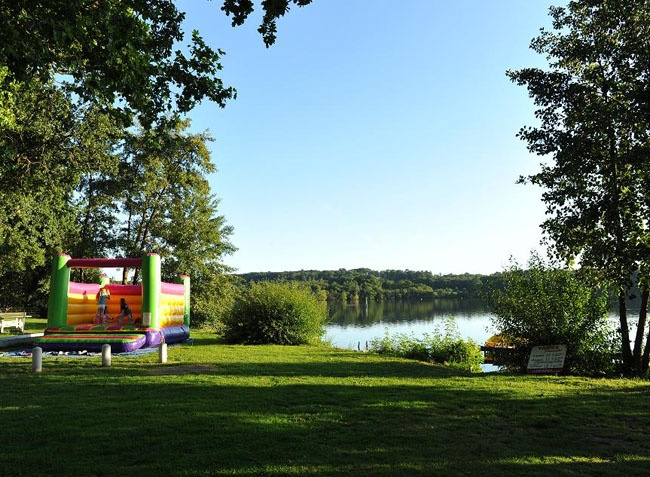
<point x="351" y="324"/>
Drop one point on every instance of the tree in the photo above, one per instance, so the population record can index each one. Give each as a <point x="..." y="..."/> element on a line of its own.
<point x="166" y="205"/>
<point x="273" y="10"/>
<point x="74" y="76"/>
<point x="96" y="215"/>
<point x="197" y="240"/>
<point x="123" y="53"/>
<point x="542" y="305"/>
<point x="44" y="150"/>
<point x="112" y="52"/>
<point x="593" y="107"/>
<point x="162" y="174"/>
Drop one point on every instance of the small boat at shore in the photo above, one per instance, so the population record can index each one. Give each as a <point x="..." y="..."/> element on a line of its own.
<point x="494" y="344"/>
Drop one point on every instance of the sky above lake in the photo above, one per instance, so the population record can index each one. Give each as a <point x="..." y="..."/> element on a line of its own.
<point x="376" y="134"/>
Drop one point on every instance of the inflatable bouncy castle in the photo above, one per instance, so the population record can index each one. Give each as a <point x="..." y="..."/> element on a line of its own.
<point x="160" y="310"/>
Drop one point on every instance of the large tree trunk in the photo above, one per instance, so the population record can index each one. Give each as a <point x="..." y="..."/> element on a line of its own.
<point x="640" y="331"/>
<point x="645" y="361"/>
<point x="625" y="334"/>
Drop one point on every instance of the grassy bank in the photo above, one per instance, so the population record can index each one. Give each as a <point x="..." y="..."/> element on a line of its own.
<point x="35" y="325"/>
<point x="215" y="409"/>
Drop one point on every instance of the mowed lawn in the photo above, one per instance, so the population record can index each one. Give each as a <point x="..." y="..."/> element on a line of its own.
<point x="214" y="409"/>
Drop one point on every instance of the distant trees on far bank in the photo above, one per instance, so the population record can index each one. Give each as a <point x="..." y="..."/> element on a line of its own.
<point x="363" y="284"/>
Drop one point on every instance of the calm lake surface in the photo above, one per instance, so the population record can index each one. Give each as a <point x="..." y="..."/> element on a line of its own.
<point x="361" y="322"/>
<point x="352" y="324"/>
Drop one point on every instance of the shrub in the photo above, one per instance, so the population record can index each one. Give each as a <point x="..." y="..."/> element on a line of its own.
<point x="542" y="305"/>
<point x="276" y="313"/>
<point x="213" y="298"/>
<point x="438" y="347"/>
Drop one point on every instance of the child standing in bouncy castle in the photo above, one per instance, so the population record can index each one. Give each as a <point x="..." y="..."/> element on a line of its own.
<point x="125" y="313"/>
<point x="102" y="295"/>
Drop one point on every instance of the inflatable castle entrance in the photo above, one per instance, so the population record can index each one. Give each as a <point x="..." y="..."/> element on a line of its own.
<point x="161" y="311"/>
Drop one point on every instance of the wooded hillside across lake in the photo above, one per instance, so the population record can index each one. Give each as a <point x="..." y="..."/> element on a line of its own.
<point x="363" y="283"/>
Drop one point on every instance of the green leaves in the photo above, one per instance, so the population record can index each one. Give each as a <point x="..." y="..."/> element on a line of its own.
<point x="124" y="56"/>
<point x="75" y="77"/>
<point x="273" y="9"/>
<point x="111" y="51"/>
<point x="442" y="347"/>
<point x="45" y="148"/>
<point x="277" y="313"/>
<point x="166" y="206"/>
<point x="594" y="131"/>
<point x="543" y="305"/>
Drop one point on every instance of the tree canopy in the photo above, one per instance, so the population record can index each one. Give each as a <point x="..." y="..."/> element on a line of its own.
<point x="273" y="10"/>
<point x="95" y="158"/>
<point x="131" y="57"/>
<point x="593" y="105"/>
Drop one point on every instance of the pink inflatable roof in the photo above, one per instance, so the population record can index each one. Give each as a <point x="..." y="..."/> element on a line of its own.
<point x="104" y="262"/>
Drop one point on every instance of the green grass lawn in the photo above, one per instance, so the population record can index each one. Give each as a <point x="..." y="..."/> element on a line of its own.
<point x="233" y="410"/>
<point x="35" y="325"/>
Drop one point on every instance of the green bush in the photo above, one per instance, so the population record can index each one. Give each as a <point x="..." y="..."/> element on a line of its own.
<point x="212" y="300"/>
<point x="543" y="305"/>
<point x="276" y="313"/>
<point x="438" y="347"/>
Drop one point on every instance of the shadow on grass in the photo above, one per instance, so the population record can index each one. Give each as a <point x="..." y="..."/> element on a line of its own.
<point x="207" y="341"/>
<point x="388" y="369"/>
<point x="265" y="421"/>
<point x="122" y="367"/>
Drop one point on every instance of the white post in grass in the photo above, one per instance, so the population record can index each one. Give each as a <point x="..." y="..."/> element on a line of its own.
<point x="37" y="359"/>
<point x="106" y="354"/>
<point x="162" y="352"/>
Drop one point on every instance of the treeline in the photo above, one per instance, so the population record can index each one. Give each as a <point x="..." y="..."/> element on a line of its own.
<point x="365" y="284"/>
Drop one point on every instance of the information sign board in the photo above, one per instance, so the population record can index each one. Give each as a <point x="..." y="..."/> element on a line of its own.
<point x="547" y="359"/>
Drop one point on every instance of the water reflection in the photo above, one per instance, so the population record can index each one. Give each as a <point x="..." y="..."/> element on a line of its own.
<point x="360" y="314"/>
<point x="357" y="323"/>
<point x="352" y="325"/>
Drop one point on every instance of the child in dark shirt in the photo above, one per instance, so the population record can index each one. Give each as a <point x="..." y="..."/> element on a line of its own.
<point x="125" y="313"/>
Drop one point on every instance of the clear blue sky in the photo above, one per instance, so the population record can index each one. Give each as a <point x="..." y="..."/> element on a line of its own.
<point x="376" y="134"/>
